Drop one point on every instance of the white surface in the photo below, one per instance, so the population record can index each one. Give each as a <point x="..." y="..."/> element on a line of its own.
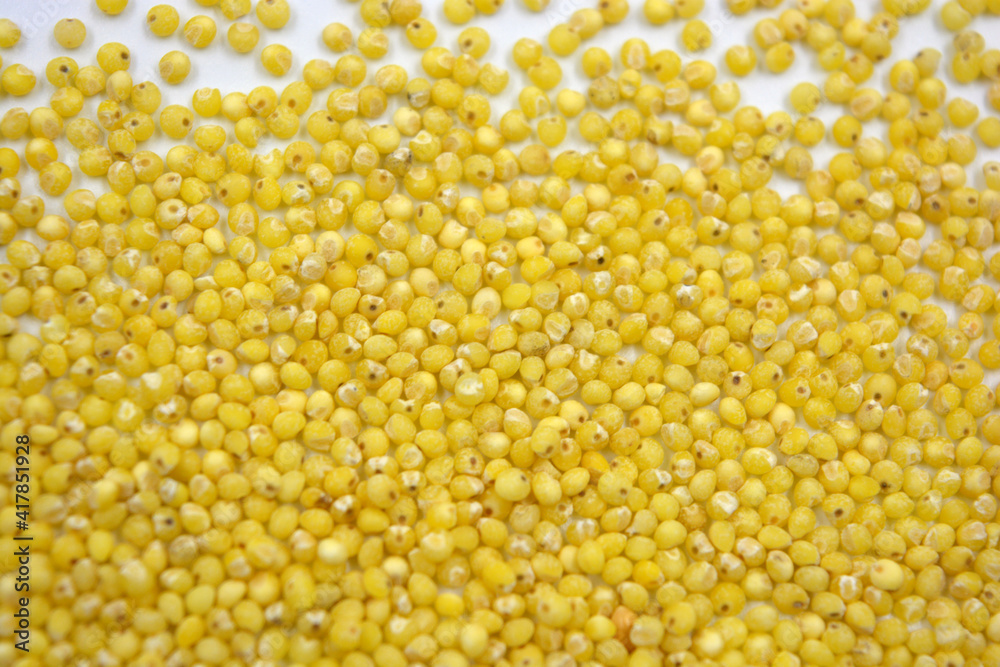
<point x="218" y="66"/>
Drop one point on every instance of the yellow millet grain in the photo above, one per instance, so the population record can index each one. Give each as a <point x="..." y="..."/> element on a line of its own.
<point x="438" y="379"/>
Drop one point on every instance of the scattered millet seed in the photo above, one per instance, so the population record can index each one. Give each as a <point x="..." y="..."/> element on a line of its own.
<point x="427" y="386"/>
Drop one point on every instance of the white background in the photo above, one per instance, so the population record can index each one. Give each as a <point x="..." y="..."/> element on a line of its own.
<point x="218" y="66"/>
